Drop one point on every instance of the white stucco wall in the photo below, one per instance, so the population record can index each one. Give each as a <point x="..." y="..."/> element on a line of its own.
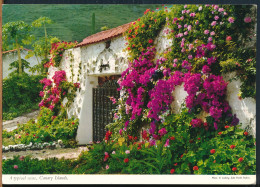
<point x="10" y="57"/>
<point x="90" y="57"/>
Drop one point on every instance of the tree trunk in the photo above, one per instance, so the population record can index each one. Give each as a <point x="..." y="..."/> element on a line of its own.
<point x="46" y="52"/>
<point x="19" y="58"/>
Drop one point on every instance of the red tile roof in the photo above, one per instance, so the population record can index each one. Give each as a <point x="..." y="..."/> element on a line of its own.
<point x="104" y="35"/>
<point x="15" y="50"/>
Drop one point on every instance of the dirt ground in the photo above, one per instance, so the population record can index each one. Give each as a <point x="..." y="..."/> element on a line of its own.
<point x="67" y="153"/>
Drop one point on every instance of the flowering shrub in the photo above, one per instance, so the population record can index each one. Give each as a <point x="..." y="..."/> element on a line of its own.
<point x="54" y="92"/>
<point x="28" y="165"/>
<point x="205" y="45"/>
<point x="179" y="149"/>
<point x="146" y="138"/>
<point x="203" y="37"/>
<point x="48" y="128"/>
<point x="56" y="52"/>
<point x="142" y="32"/>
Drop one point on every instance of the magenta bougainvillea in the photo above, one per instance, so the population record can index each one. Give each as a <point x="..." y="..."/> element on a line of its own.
<point x="202" y="35"/>
<point x="55" y="91"/>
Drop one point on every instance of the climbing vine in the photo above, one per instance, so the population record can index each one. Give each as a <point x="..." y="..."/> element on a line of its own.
<point x="204" y="36"/>
<point x="56" y="52"/>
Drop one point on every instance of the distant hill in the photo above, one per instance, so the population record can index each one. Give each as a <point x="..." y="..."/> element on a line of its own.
<point x="73" y="22"/>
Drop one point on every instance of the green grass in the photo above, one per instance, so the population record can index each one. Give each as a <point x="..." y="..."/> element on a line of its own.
<point x="73" y="22"/>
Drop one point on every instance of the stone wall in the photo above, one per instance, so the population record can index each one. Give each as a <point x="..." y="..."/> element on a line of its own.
<point x="10" y="57"/>
<point x="83" y="65"/>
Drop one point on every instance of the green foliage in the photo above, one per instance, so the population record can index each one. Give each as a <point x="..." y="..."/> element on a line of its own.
<point x="28" y="165"/>
<point x="20" y="94"/>
<point x="142" y="32"/>
<point x="76" y="25"/>
<point x="15" y="65"/>
<point x="228" y="65"/>
<point x="17" y="33"/>
<point x="104" y="28"/>
<point x="57" y="50"/>
<point x="41" y="22"/>
<point x="212" y="152"/>
<point x="48" y="128"/>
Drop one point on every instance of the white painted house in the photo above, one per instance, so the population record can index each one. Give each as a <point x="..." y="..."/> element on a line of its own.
<point x="103" y="54"/>
<point x="10" y="56"/>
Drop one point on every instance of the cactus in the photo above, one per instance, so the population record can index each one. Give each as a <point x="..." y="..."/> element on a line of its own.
<point x="93" y="24"/>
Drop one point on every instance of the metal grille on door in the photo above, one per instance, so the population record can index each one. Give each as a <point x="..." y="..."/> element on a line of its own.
<point x="102" y="108"/>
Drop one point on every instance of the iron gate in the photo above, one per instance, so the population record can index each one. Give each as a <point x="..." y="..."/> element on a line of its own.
<point x="102" y="108"/>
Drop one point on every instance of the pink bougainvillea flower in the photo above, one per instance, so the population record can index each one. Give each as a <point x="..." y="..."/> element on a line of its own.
<point x="206" y="32"/>
<point x="107" y="166"/>
<point x="127" y="152"/>
<point x="216" y="18"/>
<point x="212" y="33"/>
<point x="213" y="23"/>
<point x="51" y="107"/>
<point x="15" y="167"/>
<point x="193" y="14"/>
<point x="231" y="20"/>
<point x="162" y="131"/>
<point x="116" y="116"/>
<point x="167" y="143"/>
<point x="247" y="19"/>
<point x="228" y="38"/>
<point x="221" y="9"/>
<point x="120" y="131"/>
<point x="41" y="94"/>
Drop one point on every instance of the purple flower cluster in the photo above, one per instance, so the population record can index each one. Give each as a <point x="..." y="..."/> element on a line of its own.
<point x="161" y="95"/>
<point x="135" y="79"/>
<point x="210" y="95"/>
<point x="58" y="77"/>
<point x="52" y="93"/>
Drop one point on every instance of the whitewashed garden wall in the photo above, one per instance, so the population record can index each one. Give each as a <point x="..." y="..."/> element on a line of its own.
<point x="9" y="57"/>
<point x="82" y="65"/>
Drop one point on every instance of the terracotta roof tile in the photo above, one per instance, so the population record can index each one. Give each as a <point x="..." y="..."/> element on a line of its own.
<point x="104" y="35"/>
<point x="15" y="50"/>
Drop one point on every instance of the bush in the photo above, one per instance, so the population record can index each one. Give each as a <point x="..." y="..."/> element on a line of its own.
<point x="28" y="165"/>
<point x="20" y="94"/>
<point x="48" y="128"/>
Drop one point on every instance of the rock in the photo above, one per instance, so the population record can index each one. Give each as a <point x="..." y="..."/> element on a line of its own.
<point x="60" y="142"/>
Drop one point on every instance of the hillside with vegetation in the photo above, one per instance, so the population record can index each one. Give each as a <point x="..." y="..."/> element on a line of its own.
<point x="74" y="22"/>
